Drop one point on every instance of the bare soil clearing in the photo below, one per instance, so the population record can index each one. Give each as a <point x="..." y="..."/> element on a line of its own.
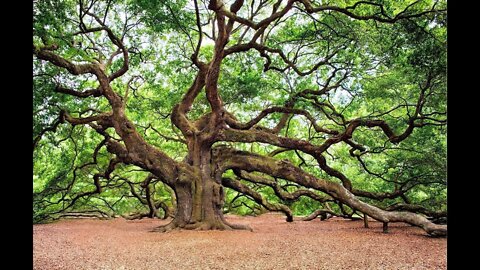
<point x="274" y="244"/>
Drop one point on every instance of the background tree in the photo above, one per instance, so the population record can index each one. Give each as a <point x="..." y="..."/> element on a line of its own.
<point x="153" y="108"/>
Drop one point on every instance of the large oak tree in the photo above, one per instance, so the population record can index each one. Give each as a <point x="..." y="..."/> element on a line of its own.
<point x="339" y="103"/>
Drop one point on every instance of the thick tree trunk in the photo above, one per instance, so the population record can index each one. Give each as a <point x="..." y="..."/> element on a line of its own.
<point x="199" y="207"/>
<point x="200" y="200"/>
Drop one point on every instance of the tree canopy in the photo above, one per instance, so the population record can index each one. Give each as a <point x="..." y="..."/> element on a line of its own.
<point x="192" y="109"/>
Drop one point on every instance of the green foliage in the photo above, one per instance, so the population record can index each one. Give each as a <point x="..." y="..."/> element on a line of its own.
<point x="386" y="64"/>
<point x="163" y="15"/>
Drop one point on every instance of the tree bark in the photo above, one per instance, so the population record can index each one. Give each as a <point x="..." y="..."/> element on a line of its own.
<point x="199" y="200"/>
<point x="365" y="220"/>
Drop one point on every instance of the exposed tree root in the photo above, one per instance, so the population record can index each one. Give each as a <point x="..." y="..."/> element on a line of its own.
<point x="221" y="225"/>
<point x="172" y="225"/>
<point x="236" y="226"/>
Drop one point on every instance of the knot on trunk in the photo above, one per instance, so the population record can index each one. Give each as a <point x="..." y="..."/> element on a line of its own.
<point x="127" y="127"/>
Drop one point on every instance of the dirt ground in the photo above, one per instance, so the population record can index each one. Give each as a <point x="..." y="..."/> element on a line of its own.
<point x="274" y="244"/>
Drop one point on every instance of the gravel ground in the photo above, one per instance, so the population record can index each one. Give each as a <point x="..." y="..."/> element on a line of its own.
<point x="274" y="244"/>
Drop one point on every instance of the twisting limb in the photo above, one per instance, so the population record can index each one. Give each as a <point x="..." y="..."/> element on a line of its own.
<point x="384" y="18"/>
<point x="83" y="94"/>
<point x="417" y="209"/>
<point x="118" y="42"/>
<point x="98" y="186"/>
<point x="325" y="214"/>
<point x="84" y="214"/>
<point x="234" y="124"/>
<point x="53" y="127"/>
<point x="257" y="197"/>
<point x="231" y="159"/>
<point x="282" y="194"/>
